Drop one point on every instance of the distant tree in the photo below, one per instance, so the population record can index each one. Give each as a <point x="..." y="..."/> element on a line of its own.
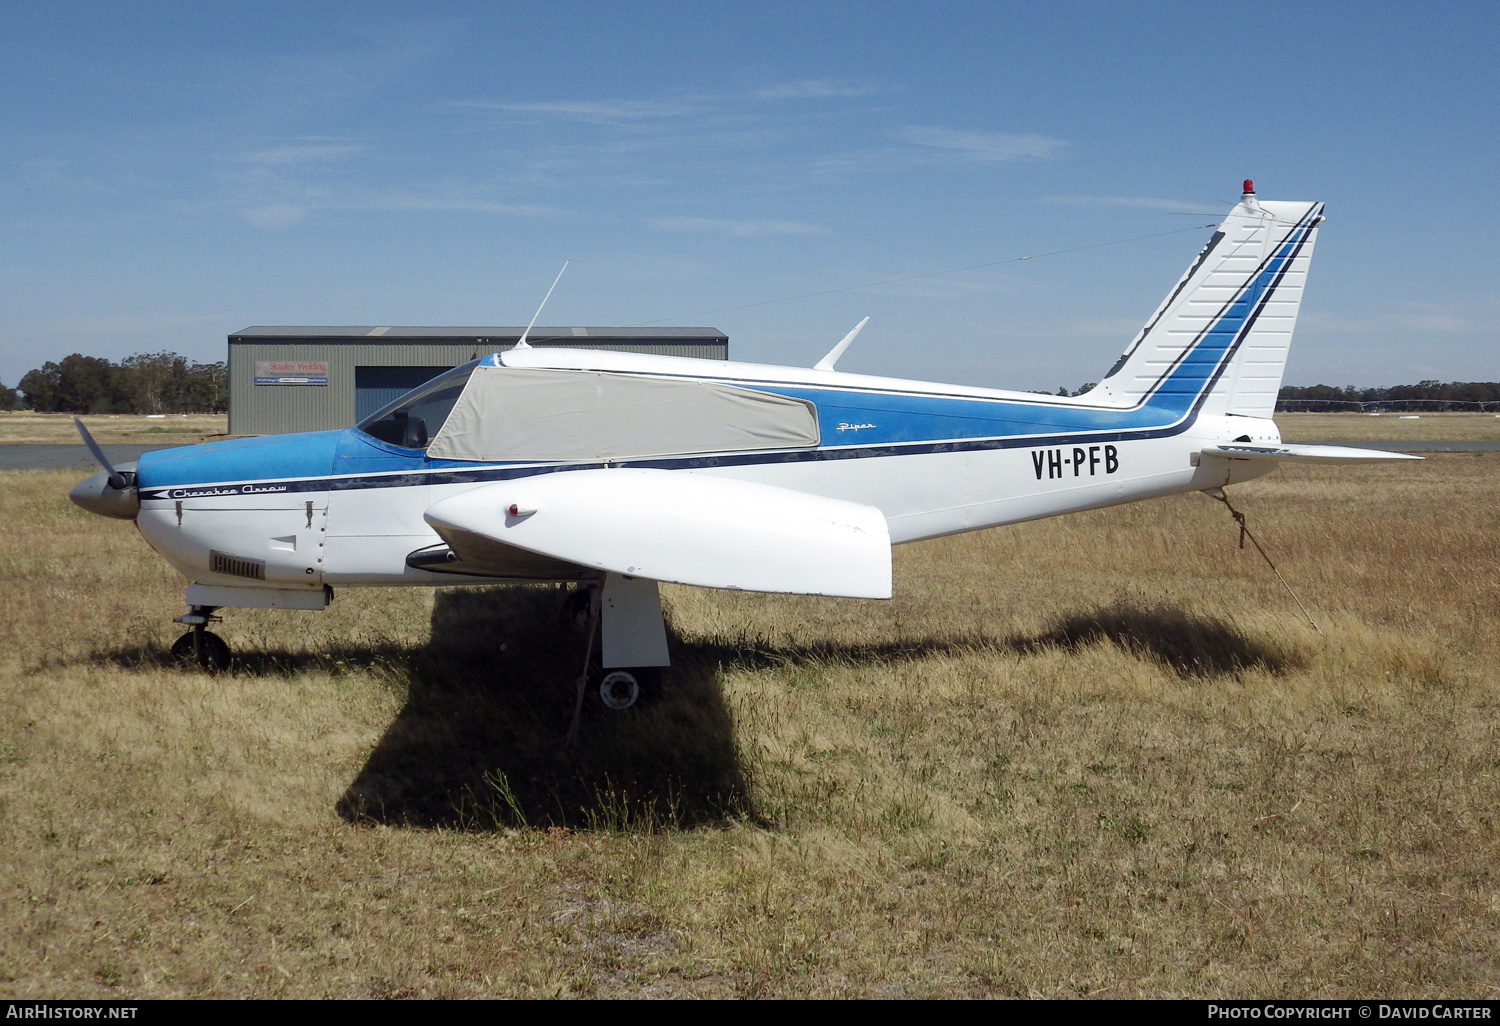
<point x="8" y="398"/>
<point x="143" y="383"/>
<point x="1477" y="391"/>
<point x="211" y="388"/>
<point x="1431" y="395"/>
<point x="77" y="384"/>
<point x="40" y="388"/>
<point x="168" y="383"/>
<point x="91" y="384"/>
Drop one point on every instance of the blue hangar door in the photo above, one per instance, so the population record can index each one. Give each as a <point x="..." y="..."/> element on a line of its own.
<point x="374" y="387"/>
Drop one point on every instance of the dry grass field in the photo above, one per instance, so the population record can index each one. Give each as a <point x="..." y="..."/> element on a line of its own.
<point x="111" y="429"/>
<point x="1388" y="427"/>
<point x="1100" y="755"/>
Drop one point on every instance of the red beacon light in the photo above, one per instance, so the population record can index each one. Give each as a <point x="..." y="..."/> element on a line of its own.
<point x="1249" y="187"/>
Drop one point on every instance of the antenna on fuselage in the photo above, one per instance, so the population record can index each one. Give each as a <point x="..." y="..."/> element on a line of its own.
<point x="826" y="364"/>
<point x="521" y="342"/>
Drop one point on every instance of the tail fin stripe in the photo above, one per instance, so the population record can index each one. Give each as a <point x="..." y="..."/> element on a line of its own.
<point x="1210" y="352"/>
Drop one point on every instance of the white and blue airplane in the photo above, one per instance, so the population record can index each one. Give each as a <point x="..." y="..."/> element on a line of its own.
<point x="616" y="471"/>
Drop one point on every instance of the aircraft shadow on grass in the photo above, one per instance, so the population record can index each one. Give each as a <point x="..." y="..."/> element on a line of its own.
<point x="1185" y="643"/>
<point x="478" y="744"/>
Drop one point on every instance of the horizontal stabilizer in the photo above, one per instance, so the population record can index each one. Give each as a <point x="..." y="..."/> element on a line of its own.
<point x="681" y="527"/>
<point x="1304" y="453"/>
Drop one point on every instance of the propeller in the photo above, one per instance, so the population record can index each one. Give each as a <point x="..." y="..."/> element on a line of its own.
<point x="116" y="479"/>
<point x="108" y="492"/>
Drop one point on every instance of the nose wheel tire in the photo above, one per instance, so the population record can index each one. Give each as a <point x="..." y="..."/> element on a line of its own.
<point x="620" y="690"/>
<point x="212" y="653"/>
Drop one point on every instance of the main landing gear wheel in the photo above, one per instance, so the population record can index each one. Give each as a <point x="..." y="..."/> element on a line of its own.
<point x="620" y="690"/>
<point x="212" y="652"/>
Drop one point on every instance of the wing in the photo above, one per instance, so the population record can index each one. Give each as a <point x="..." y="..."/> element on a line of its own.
<point x="677" y="526"/>
<point x="1303" y="453"/>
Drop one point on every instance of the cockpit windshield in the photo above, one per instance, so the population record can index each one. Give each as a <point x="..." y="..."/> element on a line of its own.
<point x="415" y="419"/>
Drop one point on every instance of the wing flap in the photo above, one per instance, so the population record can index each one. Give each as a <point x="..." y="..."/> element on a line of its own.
<point x="679" y="526"/>
<point x="1290" y="453"/>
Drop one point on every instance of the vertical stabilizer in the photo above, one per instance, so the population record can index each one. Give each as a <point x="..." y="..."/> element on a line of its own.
<point x="1219" y="341"/>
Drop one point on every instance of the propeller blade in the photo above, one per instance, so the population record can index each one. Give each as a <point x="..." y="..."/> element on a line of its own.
<point x="116" y="479"/>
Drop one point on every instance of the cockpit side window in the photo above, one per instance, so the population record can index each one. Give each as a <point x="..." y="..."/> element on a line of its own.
<point x="412" y="421"/>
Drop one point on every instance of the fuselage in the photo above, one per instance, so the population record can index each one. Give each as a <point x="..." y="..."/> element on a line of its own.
<point x="346" y="508"/>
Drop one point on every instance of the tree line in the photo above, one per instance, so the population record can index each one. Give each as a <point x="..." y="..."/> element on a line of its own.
<point x="144" y="383"/>
<point x="1427" y="395"/>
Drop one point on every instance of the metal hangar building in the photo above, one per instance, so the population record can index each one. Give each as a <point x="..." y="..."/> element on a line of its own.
<point x="284" y="379"/>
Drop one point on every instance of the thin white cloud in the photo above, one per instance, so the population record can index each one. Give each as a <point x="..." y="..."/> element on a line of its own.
<point x="440" y="203"/>
<point x="637" y="110"/>
<point x="284" y="215"/>
<point x="1122" y="328"/>
<point x="986" y="146"/>
<point x="814" y="89"/>
<point x="58" y="176"/>
<point x="301" y="154"/>
<point x="597" y="110"/>
<point x="1137" y="202"/>
<point x="1434" y="320"/>
<point x="946" y="288"/>
<point x="1462" y="317"/>
<point x="94" y="325"/>
<point x="743" y="229"/>
<point x="275" y="215"/>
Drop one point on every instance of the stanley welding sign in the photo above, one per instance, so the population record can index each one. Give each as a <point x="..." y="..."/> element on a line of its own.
<point x="290" y="372"/>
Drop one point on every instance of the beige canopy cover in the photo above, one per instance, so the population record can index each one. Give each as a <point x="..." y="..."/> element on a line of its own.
<point x="513" y="413"/>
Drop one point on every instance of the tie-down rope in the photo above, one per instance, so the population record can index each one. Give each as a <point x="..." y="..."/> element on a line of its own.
<point x="1239" y="518"/>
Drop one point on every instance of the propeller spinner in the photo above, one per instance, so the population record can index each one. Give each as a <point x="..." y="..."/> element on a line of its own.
<point x="110" y="492"/>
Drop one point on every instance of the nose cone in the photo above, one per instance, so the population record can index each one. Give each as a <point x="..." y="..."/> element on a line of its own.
<point x="95" y="494"/>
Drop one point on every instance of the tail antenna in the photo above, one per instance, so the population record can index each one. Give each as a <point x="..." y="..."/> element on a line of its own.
<point x="521" y="343"/>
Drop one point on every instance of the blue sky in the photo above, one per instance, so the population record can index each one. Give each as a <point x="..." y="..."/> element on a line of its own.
<point x="169" y="174"/>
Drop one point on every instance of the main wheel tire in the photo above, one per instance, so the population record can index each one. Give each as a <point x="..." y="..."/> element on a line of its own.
<point x="213" y="654"/>
<point x="619" y="690"/>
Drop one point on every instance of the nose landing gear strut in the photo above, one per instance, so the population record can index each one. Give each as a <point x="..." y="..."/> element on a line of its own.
<point x="199" y="647"/>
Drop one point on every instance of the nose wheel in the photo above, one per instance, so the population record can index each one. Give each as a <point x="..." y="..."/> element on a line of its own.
<point x="200" y="647"/>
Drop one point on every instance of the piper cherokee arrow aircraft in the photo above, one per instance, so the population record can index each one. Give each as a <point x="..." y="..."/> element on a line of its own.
<point x="616" y="471"/>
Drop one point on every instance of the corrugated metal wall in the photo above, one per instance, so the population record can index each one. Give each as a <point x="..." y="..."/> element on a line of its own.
<point x="278" y="409"/>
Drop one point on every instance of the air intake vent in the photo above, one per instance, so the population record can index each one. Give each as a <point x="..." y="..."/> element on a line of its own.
<point x="236" y="566"/>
